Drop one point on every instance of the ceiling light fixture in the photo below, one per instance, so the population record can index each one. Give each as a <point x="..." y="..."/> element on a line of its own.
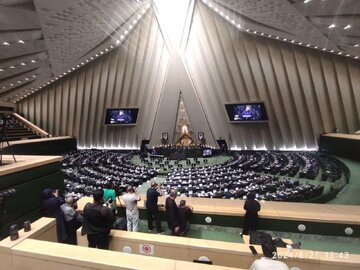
<point x="21" y="41"/>
<point x="332" y="26"/>
<point x="356" y="45"/>
<point x="347" y="27"/>
<point x="5" y="43"/>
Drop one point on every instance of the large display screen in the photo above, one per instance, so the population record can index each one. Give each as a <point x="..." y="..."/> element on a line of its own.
<point x="121" y="116"/>
<point x="246" y="112"/>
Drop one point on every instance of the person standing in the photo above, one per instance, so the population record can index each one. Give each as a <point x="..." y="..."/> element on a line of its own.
<point x="50" y="207"/>
<point x="152" y="195"/>
<point x="252" y="207"/>
<point x="172" y="213"/>
<point x="97" y="221"/>
<point x="185" y="212"/>
<point x="110" y="196"/>
<point x="73" y="220"/>
<point x="132" y="212"/>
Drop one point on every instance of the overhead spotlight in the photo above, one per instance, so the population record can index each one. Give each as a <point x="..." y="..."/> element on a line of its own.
<point x="34" y="76"/>
<point x="11" y="84"/>
<point x="12" y="67"/>
<point x="96" y="55"/>
<point x="347" y="27"/>
<point x="101" y="52"/>
<point x="348" y="55"/>
<point x="284" y="39"/>
<point x="92" y="58"/>
<point x="73" y="68"/>
<point x="111" y="46"/>
<point x="308" y="45"/>
<point x="6" y="43"/>
<point x="262" y="34"/>
<point x="247" y="30"/>
<point x="340" y="53"/>
<point x="143" y="11"/>
<point x="356" y="45"/>
<point x="293" y="41"/>
<point x="118" y="41"/>
<point x="18" y="81"/>
<point x="106" y="49"/>
<point x="26" y="79"/>
<point x="130" y="27"/>
<point x="238" y="26"/>
<point x="332" y="26"/>
<point x="126" y="32"/>
<point x="356" y="57"/>
<point x="134" y="21"/>
<point x="1" y="69"/>
<point x="233" y="21"/>
<point x="87" y="60"/>
<point x="324" y="49"/>
<point x="269" y="35"/>
<point x="78" y="66"/>
<point x="316" y="47"/>
<point x="139" y="16"/>
<point x="21" y="41"/>
<point x="33" y="61"/>
<point x="255" y="32"/>
<point x="332" y="51"/>
<point x="222" y="13"/>
<point x="277" y="37"/>
<point x="82" y="63"/>
<point x="23" y="64"/>
<point x="227" y="17"/>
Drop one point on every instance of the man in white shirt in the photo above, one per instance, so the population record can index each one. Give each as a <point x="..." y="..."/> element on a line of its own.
<point x="268" y="262"/>
<point x="132" y="212"/>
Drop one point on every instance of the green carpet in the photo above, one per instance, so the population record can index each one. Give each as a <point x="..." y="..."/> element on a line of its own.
<point x="350" y="194"/>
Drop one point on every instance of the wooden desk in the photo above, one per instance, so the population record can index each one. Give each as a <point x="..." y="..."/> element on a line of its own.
<point x="47" y="256"/>
<point x="326" y="213"/>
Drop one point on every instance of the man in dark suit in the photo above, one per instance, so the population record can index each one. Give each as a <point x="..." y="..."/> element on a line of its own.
<point x="152" y="195"/>
<point x="252" y="208"/>
<point x="185" y="212"/>
<point x="172" y="213"/>
<point x="98" y="221"/>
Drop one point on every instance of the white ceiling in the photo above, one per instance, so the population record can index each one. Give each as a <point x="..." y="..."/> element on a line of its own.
<point x="59" y="36"/>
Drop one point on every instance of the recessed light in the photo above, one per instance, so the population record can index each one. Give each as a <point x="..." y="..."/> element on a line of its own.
<point x="33" y="61"/>
<point x="356" y="45"/>
<point x="332" y="51"/>
<point x="340" y="53"/>
<point x="284" y="39"/>
<point x="306" y="1"/>
<point x="238" y="26"/>
<point x="347" y="27"/>
<point x="34" y="76"/>
<point x="300" y="43"/>
<point x="293" y="41"/>
<point x="332" y="26"/>
<point x="12" y="66"/>
<point x="23" y="64"/>
<point x="26" y="79"/>
<point x="1" y="69"/>
<point x="21" y="41"/>
<point x="308" y="45"/>
<point x="18" y="81"/>
<point x="5" y="43"/>
<point x="11" y="84"/>
<point x="356" y="57"/>
<point x="277" y="37"/>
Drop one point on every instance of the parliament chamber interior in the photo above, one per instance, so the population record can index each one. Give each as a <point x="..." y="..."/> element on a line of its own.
<point x="180" y="134"/>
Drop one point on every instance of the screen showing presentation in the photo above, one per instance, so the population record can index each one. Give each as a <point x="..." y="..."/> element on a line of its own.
<point x="246" y="112"/>
<point x="121" y="116"/>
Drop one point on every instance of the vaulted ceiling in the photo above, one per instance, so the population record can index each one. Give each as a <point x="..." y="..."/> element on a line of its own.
<point x="44" y="40"/>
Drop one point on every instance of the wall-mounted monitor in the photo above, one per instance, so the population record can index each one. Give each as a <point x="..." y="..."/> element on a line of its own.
<point x="246" y="112"/>
<point x="121" y="116"/>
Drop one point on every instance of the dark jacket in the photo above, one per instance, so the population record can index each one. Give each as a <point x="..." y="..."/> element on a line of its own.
<point x="50" y="207"/>
<point x="152" y="196"/>
<point x="184" y="216"/>
<point x="252" y="207"/>
<point x="172" y="214"/>
<point x="97" y="219"/>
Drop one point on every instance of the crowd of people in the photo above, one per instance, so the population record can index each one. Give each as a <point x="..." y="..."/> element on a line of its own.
<point x="88" y="170"/>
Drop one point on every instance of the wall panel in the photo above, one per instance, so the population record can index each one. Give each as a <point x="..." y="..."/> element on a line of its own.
<point x="306" y="92"/>
<point x="131" y="75"/>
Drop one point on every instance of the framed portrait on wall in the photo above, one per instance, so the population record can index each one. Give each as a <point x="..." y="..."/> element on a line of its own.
<point x="164" y="136"/>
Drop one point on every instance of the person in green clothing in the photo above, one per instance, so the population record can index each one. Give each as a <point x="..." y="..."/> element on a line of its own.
<point x="110" y="196"/>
